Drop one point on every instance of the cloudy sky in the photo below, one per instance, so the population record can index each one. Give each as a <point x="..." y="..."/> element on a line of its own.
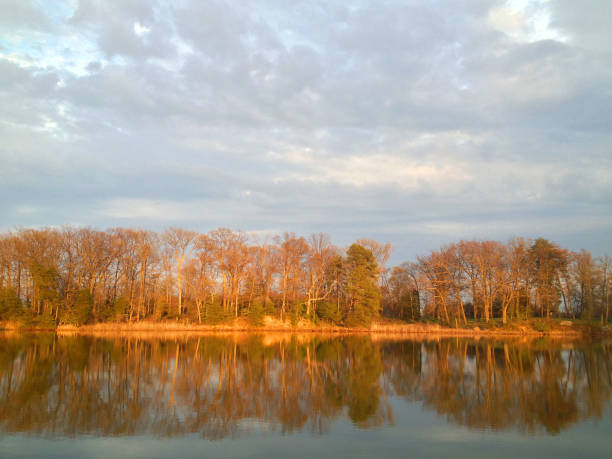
<point x="413" y="122"/>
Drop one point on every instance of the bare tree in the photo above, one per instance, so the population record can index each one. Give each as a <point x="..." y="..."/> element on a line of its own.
<point x="604" y="267"/>
<point x="321" y="254"/>
<point x="292" y="251"/>
<point x="180" y="242"/>
<point x="231" y="253"/>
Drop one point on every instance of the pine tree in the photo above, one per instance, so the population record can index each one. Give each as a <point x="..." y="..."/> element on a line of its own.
<point x="361" y="287"/>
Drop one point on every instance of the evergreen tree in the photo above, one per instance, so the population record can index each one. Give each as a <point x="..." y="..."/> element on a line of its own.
<point x="46" y="289"/>
<point x="361" y="287"/>
<point x="81" y="310"/>
<point x="547" y="261"/>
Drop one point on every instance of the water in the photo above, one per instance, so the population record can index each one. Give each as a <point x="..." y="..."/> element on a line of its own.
<point x="251" y="395"/>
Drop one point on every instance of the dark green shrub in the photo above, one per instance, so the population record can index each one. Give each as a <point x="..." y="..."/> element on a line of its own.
<point x="46" y="321"/>
<point x="269" y="308"/>
<point x="541" y="325"/>
<point x="214" y="313"/>
<point x="120" y="306"/>
<point x="10" y="304"/>
<point x="79" y="312"/>
<point x="24" y="317"/>
<point x="297" y="311"/>
<point x="161" y="310"/>
<point x="329" y="312"/>
<point x="360" y="316"/>
<point x="255" y="314"/>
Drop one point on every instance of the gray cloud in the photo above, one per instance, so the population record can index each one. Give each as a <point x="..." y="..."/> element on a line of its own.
<point x="403" y="121"/>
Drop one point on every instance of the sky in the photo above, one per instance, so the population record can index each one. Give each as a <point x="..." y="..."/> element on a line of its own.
<point x="418" y="123"/>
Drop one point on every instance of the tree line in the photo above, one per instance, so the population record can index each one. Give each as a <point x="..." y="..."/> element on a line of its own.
<point x="518" y="279"/>
<point x="77" y="275"/>
<point x="72" y="275"/>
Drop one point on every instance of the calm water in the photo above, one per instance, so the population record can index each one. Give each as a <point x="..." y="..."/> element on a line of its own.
<point x="302" y="396"/>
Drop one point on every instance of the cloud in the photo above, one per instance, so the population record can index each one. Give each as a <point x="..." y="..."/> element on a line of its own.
<point x="18" y="15"/>
<point x="397" y="120"/>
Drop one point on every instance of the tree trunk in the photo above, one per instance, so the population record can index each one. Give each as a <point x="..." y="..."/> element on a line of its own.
<point x="179" y="280"/>
<point x="284" y="303"/>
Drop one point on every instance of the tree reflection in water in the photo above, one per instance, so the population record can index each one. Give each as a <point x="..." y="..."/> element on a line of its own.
<point x="222" y="386"/>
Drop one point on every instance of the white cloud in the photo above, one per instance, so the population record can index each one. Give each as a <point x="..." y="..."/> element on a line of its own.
<point x="525" y="21"/>
<point x="141" y="30"/>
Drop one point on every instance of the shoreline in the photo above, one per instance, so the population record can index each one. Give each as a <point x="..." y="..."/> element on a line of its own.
<point x="272" y="325"/>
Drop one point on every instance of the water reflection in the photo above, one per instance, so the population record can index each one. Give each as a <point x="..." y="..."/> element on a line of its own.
<point x="217" y="386"/>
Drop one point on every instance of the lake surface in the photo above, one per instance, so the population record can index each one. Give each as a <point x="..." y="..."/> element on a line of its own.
<point x="250" y="395"/>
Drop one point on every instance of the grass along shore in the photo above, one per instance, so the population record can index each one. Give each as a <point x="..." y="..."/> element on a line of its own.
<point x="534" y="327"/>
